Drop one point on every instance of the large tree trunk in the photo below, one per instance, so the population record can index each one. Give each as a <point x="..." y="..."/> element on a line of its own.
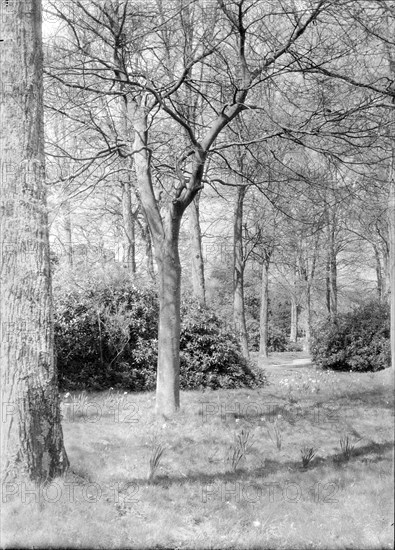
<point x="391" y="222"/>
<point x="392" y="265"/>
<point x="264" y="314"/>
<point x="165" y="235"/>
<point x="31" y="434"/>
<point x="238" y="273"/>
<point x="169" y="272"/>
<point x="128" y="228"/>
<point x="197" y="264"/>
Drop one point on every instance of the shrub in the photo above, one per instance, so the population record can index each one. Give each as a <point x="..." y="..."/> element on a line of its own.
<point x="294" y="346"/>
<point x="210" y="355"/>
<point x="358" y="341"/>
<point x="103" y="337"/>
<point x="277" y="338"/>
<point x="107" y="337"/>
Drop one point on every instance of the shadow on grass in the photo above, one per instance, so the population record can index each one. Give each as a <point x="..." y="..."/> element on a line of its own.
<point x="271" y="467"/>
<point x="374" y="397"/>
<point x="260" y="413"/>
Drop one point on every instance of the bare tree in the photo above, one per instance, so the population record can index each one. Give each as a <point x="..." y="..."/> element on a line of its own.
<point x="137" y="55"/>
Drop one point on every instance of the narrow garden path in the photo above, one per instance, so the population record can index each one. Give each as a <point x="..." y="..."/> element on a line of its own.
<point x="284" y="364"/>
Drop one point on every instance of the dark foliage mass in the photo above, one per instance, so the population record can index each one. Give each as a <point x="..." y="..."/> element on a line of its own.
<point x="277" y="338"/>
<point x="358" y="341"/>
<point x="107" y="337"/>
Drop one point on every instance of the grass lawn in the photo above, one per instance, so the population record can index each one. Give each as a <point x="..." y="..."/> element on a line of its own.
<point x="226" y="472"/>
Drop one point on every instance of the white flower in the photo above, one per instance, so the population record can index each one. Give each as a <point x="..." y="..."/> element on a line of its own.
<point x="256" y="523"/>
<point x="125" y="393"/>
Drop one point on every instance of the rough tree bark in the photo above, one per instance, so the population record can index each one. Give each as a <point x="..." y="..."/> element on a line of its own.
<point x="391" y="225"/>
<point x="391" y="213"/>
<point x="31" y="435"/>
<point x="197" y="264"/>
<point x="169" y="271"/>
<point x="238" y="273"/>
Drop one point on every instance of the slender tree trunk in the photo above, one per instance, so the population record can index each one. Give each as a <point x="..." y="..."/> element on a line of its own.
<point x="238" y="273"/>
<point x="328" y="285"/>
<point x="333" y="286"/>
<point x="309" y="278"/>
<point x="264" y="313"/>
<point x="379" y="274"/>
<point x="198" y="284"/>
<point x="31" y="433"/>
<point x="68" y="234"/>
<point x="128" y="228"/>
<point x="294" y="320"/>
<point x="100" y="338"/>
<point x="331" y="275"/>
<point x="386" y="272"/>
<point x="308" y="320"/>
<point x="63" y="138"/>
<point x="149" y="256"/>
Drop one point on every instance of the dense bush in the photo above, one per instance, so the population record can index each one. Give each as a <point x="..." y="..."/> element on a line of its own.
<point x="294" y="346"/>
<point x="107" y="337"/>
<point x="104" y="337"/>
<point x="210" y="354"/>
<point x="359" y="341"/>
<point x="277" y="338"/>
